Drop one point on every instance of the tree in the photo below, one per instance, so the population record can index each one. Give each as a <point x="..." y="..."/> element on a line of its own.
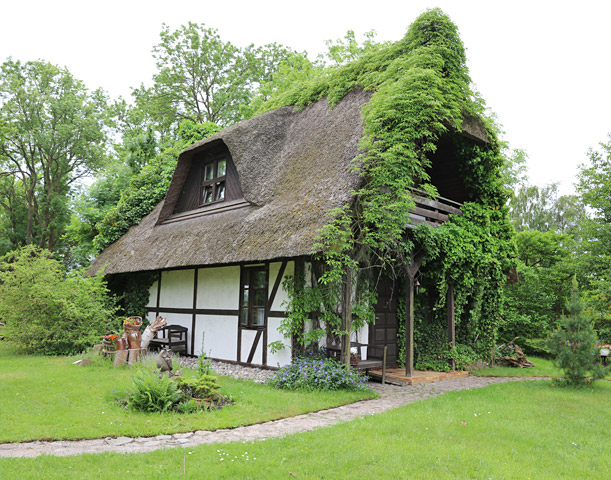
<point x="574" y="345"/>
<point x="51" y="135"/>
<point x="534" y="304"/>
<point x="347" y="49"/>
<point x="594" y="187"/>
<point x="540" y="208"/>
<point x="204" y="79"/>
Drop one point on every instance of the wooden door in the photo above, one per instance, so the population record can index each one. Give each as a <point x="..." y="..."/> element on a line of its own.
<point x="384" y="331"/>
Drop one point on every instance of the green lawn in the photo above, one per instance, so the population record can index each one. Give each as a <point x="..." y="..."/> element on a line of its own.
<point x="517" y="430"/>
<point x="49" y="398"/>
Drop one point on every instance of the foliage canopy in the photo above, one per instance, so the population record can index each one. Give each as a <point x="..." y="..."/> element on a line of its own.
<point x="52" y="133"/>
<point x="47" y="311"/>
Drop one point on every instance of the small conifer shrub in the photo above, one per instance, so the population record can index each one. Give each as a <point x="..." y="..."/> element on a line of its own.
<point x="574" y="347"/>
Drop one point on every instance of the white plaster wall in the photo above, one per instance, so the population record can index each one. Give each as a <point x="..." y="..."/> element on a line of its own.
<point x="363" y="338"/>
<point x="181" y="319"/>
<point x="281" y="357"/>
<point x="248" y="336"/>
<point x="218" y="288"/>
<point x="281" y="295"/>
<point x="153" y="296"/>
<point x="177" y="289"/>
<point x="220" y="336"/>
<point x="150" y="317"/>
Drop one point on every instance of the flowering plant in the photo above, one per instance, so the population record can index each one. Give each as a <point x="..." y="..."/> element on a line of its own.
<point x="133" y="321"/>
<point x="318" y="374"/>
<point x="110" y="337"/>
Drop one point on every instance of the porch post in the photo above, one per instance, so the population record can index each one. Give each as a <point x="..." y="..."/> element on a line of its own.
<point x="346" y="318"/>
<point x="411" y="271"/>
<point x="451" y="320"/>
<point x="409" y="325"/>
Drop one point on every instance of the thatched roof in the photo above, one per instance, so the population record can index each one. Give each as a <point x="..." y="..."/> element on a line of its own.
<point x="293" y="167"/>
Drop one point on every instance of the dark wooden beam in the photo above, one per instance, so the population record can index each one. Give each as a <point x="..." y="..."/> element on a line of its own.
<point x="346" y="317"/>
<point x="409" y="326"/>
<point x="272" y="296"/>
<point x="158" y="295"/>
<point x="299" y="273"/>
<point x="451" y="319"/>
<point x="194" y="315"/>
<point x="253" y="349"/>
<point x="411" y="271"/>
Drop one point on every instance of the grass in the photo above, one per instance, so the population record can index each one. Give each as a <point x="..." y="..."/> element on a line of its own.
<point x="517" y="430"/>
<point x="48" y="398"/>
<point x="543" y="368"/>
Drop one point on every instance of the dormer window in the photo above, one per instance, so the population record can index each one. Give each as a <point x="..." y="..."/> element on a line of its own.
<point x="213" y="181"/>
<point x="211" y="185"/>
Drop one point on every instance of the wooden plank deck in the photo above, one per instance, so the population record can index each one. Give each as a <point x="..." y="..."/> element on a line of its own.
<point x="396" y="376"/>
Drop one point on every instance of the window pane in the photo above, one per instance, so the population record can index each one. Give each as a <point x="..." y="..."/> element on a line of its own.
<point x="259" y="298"/>
<point x="244" y="316"/>
<point x="220" y="191"/>
<point x="259" y="316"/>
<point x="259" y="280"/>
<point x="245" y="300"/>
<point x="222" y="168"/>
<point x="207" y="194"/>
<point x="209" y="171"/>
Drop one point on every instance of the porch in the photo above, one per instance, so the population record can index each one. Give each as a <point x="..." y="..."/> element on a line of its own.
<point x="397" y="376"/>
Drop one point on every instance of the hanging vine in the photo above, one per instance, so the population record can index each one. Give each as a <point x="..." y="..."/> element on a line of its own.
<point x="421" y="91"/>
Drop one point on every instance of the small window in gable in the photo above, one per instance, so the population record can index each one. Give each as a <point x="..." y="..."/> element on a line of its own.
<point x="212" y="182"/>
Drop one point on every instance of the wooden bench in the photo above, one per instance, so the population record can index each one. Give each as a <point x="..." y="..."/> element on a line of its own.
<point x="173" y="337"/>
<point x="364" y="365"/>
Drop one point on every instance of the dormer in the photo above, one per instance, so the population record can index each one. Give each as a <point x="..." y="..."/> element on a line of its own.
<point x="211" y="184"/>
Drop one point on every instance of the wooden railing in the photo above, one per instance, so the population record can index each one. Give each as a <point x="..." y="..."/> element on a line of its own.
<point x="434" y="212"/>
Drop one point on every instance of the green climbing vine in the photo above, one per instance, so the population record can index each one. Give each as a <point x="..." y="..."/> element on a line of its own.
<point x="421" y="91"/>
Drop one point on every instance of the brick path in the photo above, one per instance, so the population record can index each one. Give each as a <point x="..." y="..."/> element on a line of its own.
<point x="390" y="397"/>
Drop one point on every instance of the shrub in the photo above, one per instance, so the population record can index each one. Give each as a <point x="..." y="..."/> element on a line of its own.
<point x="463" y="355"/>
<point x="574" y="346"/>
<point x="48" y="311"/>
<point x="317" y="374"/>
<point x="202" y="386"/>
<point x="154" y="392"/>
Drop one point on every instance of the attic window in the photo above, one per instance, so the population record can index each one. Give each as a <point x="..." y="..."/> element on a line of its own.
<point x="212" y="182"/>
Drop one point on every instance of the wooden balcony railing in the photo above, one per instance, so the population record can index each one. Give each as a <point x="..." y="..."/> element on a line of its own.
<point x="434" y="212"/>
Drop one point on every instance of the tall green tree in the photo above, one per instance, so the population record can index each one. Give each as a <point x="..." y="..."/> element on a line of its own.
<point x="543" y="209"/>
<point x="201" y="78"/>
<point x="594" y="187"/>
<point x="51" y="135"/>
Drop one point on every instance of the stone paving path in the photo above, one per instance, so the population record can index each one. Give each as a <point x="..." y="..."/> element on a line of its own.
<point x="390" y="397"/>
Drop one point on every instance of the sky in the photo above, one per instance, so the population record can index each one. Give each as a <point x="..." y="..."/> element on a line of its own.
<point x="541" y="66"/>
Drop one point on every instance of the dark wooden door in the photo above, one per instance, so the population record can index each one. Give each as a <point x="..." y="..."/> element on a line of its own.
<point x="384" y="331"/>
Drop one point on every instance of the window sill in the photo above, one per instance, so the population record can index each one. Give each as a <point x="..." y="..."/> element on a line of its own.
<point x="209" y="209"/>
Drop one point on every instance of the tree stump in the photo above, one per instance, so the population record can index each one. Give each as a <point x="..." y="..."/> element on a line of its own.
<point x="519" y="360"/>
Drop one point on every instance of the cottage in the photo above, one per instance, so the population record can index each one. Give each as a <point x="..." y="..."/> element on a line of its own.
<point x="243" y="213"/>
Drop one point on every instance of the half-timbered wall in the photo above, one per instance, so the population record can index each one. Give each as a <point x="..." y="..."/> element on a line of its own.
<point x="207" y="301"/>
